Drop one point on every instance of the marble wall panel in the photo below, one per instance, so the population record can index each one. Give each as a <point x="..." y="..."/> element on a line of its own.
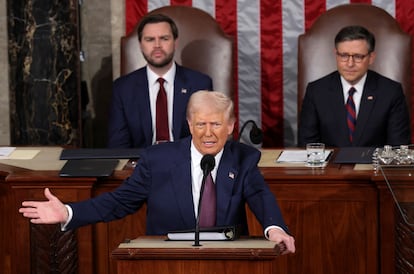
<point x="44" y="69"/>
<point x="100" y="39"/>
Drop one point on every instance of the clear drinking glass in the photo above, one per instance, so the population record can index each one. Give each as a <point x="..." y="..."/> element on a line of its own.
<point x="315" y="154"/>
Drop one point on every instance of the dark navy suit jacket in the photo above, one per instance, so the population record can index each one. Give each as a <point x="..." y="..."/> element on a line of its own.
<point x="382" y="118"/>
<point x="162" y="179"/>
<point x="130" y="123"/>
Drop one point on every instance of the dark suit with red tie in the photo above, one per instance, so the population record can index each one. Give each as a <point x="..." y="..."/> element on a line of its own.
<point x="382" y="119"/>
<point x="163" y="180"/>
<point x="130" y="122"/>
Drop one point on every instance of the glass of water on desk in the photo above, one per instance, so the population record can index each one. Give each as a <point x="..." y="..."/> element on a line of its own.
<point x="315" y="154"/>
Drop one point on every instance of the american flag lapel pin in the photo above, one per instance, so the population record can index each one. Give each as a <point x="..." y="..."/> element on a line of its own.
<point x="370" y="97"/>
<point x="231" y="175"/>
<point x="183" y="90"/>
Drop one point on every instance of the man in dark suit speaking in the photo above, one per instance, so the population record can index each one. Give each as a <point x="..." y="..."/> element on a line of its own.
<point x="354" y="106"/>
<point x="168" y="178"/>
<point x="134" y="118"/>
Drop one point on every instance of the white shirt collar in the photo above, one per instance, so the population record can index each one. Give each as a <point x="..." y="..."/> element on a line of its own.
<point x="168" y="76"/>
<point x="358" y="94"/>
<point x="358" y="86"/>
<point x="196" y="157"/>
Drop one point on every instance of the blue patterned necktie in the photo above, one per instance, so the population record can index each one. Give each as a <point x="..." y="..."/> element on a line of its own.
<point x="351" y="113"/>
<point x="208" y="204"/>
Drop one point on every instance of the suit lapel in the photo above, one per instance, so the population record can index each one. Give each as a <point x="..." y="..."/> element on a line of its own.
<point x="225" y="180"/>
<point x="182" y="185"/>
<point x="182" y="90"/>
<point x="366" y="106"/>
<point x="144" y="105"/>
<point x="337" y="106"/>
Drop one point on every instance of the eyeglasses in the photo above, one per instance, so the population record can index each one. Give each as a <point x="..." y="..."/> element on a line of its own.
<point x="357" y="58"/>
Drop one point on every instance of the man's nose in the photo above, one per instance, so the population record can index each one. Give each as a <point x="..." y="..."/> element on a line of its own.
<point x="157" y="43"/>
<point x="350" y="61"/>
<point x="208" y="130"/>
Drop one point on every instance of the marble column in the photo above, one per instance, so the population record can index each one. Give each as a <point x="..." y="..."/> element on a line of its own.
<point x="44" y="72"/>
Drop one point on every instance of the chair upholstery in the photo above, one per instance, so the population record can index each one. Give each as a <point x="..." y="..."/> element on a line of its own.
<point x="393" y="46"/>
<point x="202" y="45"/>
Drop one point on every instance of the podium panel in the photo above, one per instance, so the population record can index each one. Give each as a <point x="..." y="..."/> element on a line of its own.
<point x="157" y="255"/>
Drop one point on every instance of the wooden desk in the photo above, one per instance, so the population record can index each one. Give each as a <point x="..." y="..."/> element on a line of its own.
<point x="335" y="215"/>
<point x="155" y="255"/>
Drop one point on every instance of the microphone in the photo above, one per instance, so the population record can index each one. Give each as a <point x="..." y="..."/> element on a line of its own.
<point x="207" y="164"/>
<point x="256" y="134"/>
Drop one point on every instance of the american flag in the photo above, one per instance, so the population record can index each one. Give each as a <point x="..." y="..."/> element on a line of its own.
<point x="265" y="33"/>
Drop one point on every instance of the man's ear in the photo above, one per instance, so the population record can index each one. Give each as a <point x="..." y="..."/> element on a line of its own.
<point x="372" y="57"/>
<point x="190" y="126"/>
<point x="230" y="128"/>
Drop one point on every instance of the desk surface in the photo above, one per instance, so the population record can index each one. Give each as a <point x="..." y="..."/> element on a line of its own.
<point x="46" y="158"/>
<point x="162" y="242"/>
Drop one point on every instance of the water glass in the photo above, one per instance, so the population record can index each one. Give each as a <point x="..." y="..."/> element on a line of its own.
<point x="315" y="154"/>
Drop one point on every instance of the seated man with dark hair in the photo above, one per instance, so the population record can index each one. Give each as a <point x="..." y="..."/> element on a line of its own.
<point x="138" y="117"/>
<point x="354" y="106"/>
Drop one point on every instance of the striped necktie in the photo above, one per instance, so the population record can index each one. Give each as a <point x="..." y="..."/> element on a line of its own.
<point x="351" y="113"/>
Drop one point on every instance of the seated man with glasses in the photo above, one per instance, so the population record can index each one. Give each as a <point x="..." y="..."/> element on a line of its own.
<point x="354" y="106"/>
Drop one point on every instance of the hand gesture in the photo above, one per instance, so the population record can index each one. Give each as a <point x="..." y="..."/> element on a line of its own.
<point x="52" y="211"/>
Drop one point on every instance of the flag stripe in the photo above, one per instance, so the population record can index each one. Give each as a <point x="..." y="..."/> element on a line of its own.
<point x="133" y="10"/>
<point x="181" y="2"/>
<point x="271" y="73"/>
<point x="248" y="56"/>
<point x="313" y="8"/>
<point x="265" y="52"/>
<point x="293" y="24"/>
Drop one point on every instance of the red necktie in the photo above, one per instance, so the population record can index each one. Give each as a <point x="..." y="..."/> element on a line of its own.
<point x="161" y="124"/>
<point x="208" y="204"/>
<point x="351" y="113"/>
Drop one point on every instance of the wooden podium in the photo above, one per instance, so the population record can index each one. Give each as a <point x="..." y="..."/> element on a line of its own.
<point x="158" y="255"/>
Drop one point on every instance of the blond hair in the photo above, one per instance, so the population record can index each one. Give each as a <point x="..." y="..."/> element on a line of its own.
<point x="215" y="100"/>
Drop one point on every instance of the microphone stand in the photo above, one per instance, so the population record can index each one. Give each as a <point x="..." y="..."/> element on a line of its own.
<point x="197" y="227"/>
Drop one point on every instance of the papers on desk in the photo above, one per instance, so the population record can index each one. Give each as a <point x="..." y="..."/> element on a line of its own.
<point x="11" y="153"/>
<point x="222" y="233"/>
<point x="296" y="156"/>
<point x="6" y="151"/>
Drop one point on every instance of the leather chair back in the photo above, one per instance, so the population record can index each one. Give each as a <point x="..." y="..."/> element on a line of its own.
<point x="202" y="45"/>
<point x="393" y="46"/>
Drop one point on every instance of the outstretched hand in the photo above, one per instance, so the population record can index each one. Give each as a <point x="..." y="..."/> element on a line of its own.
<point x="52" y="211"/>
<point x="284" y="240"/>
